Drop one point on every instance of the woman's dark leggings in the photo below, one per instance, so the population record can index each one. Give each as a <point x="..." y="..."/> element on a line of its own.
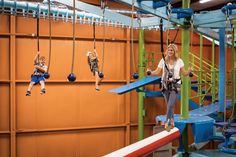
<point x="170" y="99"/>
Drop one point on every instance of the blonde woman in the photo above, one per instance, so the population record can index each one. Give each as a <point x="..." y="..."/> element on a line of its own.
<point x="172" y="67"/>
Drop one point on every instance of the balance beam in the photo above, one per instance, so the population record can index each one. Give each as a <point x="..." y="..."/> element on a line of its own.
<point x="135" y="85"/>
<point x="147" y="145"/>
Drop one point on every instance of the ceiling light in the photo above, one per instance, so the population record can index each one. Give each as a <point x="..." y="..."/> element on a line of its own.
<point x="204" y="1"/>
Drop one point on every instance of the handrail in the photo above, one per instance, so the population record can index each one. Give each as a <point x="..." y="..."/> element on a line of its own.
<point x="204" y="60"/>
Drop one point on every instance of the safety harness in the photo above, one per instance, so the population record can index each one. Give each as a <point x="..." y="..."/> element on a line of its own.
<point x="169" y="83"/>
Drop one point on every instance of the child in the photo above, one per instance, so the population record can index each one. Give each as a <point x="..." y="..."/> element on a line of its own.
<point x="93" y="64"/>
<point x="38" y="76"/>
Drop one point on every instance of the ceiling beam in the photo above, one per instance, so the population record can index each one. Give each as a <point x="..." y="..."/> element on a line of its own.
<point x="212" y="17"/>
<point x="116" y="17"/>
<point x="146" y="6"/>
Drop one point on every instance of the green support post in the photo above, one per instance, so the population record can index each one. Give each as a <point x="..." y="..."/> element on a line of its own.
<point x="185" y="86"/>
<point x="185" y="57"/>
<point x="213" y="73"/>
<point x="141" y="111"/>
<point x="200" y="73"/>
<point x="234" y="71"/>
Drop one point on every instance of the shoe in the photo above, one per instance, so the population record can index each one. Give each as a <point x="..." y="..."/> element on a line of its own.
<point x="43" y="91"/>
<point x="168" y="125"/>
<point x="28" y="93"/>
<point x="172" y="123"/>
<point x="97" y="89"/>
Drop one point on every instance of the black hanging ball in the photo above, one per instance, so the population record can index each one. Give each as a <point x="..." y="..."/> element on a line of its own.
<point x="101" y="75"/>
<point x="46" y="75"/>
<point x="135" y="75"/>
<point x="190" y="74"/>
<point x="149" y="72"/>
<point x="71" y="77"/>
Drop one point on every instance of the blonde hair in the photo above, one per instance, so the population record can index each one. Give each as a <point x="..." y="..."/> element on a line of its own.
<point x="42" y="58"/>
<point x="175" y="48"/>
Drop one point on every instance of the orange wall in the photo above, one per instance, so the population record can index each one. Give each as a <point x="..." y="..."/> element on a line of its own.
<point x="72" y="119"/>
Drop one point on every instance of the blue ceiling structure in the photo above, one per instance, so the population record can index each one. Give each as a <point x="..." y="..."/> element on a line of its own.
<point x="208" y="22"/>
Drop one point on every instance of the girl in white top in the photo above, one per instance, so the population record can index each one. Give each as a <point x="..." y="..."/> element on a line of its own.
<point x="170" y="79"/>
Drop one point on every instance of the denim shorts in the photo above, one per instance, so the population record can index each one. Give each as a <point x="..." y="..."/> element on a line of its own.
<point x="37" y="78"/>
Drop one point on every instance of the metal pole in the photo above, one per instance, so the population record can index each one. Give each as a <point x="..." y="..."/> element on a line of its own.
<point x="185" y="86"/>
<point x="213" y="73"/>
<point x="200" y="72"/>
<point x="234" y="71"/>
<point x="185" y="57"/>
<point x="141" y="111"/>
<point x="222" y="72"/>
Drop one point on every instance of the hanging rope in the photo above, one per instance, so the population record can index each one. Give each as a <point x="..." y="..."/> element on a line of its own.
<point x="94" y="37"/>
<point x="38" y="37"/>
<point x="168" y="10"/>
<point x="135" y="74"/>
<point x="71" y="77"/>
<point x="50" y="34"/>
<point x="176" y="34"/>
<point x="73" y="54"/>
<point x="162" y="46"/>
<point x="103" y="6"/>
<point x="104" y="38"/>
<point x="46" y="74"/>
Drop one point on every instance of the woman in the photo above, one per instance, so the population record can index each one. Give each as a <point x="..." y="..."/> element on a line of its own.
<point x="172" y="67"/>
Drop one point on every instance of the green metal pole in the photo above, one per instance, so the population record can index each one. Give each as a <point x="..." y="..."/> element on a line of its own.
<point x="213" y="73"/>
<point x="234" y="71"/>
<point x="200" y="72"/>
<point x="185" y="57"/>
<point x="141" y="111"/>
<point x="185" y="86"/>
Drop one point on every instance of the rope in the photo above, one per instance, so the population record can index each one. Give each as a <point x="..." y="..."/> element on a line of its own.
<point x="38" y="49"/>
<point x="73" y="54"/>
<point x="162" y="47"/>
<point x="94" y="37"/>
<point x="168" y="23"/>
<point x="132" y="36"/>
<point x="50" y="34"/>
<point x="173" y="41"/>
<point x="104" y="32"/>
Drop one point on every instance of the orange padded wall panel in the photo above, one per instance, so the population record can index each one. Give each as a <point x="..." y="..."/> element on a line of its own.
<point x="72" y="119"/>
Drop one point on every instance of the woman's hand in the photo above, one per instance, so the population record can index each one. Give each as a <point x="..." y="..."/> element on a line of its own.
<point x="149" y="71"/>
<point x="190" y="74"/>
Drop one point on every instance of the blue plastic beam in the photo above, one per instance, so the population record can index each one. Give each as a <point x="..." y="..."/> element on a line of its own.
<point x="135" y="85"/>
<point x="155" y="22"/>
<point x="98" y="11"/>
<point x="147" y="7"/>
<point x="211" y="17"/>
<point x="208" y="32"/>
<point x="222" y="70"/>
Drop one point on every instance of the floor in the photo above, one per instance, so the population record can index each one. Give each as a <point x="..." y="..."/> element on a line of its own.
<point x="207" y="153"/>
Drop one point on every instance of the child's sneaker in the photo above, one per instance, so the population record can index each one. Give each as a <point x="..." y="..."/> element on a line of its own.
<point x="28" y="93"/>
<point x="43" y="91"/>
